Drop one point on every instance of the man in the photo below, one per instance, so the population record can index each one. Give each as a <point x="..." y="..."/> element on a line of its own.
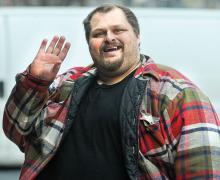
<point x="124" y="117"/>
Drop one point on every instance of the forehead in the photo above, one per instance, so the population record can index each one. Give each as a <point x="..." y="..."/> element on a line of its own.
<point x="112" y="18"/>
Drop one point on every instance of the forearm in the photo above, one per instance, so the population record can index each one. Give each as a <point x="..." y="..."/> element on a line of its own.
<point x="199" y="139"/>
<point x="198" y="154"/>
<point x="24" y="105"/>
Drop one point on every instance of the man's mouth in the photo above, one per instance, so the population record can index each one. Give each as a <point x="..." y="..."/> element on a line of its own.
<point x="111" y="48"/>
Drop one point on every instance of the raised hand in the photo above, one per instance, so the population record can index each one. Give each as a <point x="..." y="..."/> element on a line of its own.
<point x="48" y="60"/>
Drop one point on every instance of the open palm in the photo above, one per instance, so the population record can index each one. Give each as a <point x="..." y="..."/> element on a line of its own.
<point x="48" y="60"/>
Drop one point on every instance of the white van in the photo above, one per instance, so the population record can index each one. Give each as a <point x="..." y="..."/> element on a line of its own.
<point x="187" y="40"/>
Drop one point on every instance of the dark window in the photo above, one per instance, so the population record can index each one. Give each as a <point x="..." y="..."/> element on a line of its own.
<point x="1" y="89"/>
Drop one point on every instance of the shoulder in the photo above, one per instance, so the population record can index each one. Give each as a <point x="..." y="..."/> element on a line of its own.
<point x="168" y="89"/>
<point x="164" y="80"/>
<point x="68" y="78"/>
<point x="74" y="73"/>
<point x="162" y="73"/>
<point x="167" y="71"/>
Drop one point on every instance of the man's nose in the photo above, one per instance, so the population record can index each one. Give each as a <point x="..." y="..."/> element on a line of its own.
<point x="110" y="36"/>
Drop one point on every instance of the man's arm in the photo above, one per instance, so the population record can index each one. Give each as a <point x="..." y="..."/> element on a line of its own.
<point x="30" y="93"/>
<point x="198" y="126"/>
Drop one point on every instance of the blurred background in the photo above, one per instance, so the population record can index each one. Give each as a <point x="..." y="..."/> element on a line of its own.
<point x="214" y="4"/>
<point x="183" y="34"/>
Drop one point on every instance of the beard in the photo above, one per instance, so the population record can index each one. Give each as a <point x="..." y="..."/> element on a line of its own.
<point x="108" y="65"/>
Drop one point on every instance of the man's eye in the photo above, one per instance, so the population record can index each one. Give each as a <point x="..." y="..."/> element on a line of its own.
<point x="119" y="30"/>
<point x="98" y="34"/>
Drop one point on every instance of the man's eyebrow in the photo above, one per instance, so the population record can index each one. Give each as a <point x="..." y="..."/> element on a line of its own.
<point x="98" y="29"/>
<point x="114" y="26"/>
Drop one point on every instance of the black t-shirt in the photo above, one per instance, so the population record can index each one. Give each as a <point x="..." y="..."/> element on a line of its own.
<point x="92" y="149"/>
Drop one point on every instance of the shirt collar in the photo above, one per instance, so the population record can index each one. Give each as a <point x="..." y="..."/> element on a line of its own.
<point x="147" y="68"/>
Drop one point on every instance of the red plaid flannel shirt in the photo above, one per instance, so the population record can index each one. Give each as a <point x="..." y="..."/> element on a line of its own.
<point x="179" y="131"/>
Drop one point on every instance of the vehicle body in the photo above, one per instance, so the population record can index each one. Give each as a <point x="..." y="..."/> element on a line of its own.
<point x="187" y="40"/>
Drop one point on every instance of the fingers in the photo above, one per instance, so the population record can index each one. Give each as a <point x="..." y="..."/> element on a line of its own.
<point x="64" y="51"/>
<point x="52" y="44"/>
<point x="56" y="45"/>
<point x="43" y="45"/>
<point x="59" y="45"/>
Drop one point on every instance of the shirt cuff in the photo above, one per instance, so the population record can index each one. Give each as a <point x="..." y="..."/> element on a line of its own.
<point x="33" y="82"/>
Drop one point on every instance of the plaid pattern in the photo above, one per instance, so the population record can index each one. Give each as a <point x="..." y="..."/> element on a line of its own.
<point x="179" y="132"/>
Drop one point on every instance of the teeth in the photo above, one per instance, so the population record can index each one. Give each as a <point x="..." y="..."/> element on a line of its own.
<point x="111" y="49"/>
<point x="114" y="48"/>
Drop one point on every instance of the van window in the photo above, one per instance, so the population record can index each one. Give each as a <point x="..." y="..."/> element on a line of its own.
<point x="1" y="89"/>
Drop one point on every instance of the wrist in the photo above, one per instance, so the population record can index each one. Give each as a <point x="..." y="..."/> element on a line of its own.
<point x="36" y="79"/>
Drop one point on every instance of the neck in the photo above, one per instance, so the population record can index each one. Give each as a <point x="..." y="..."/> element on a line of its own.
<point x="110" y="80"/>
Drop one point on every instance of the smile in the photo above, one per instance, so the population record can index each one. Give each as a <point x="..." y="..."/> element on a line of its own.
<point x="112" y="48"/>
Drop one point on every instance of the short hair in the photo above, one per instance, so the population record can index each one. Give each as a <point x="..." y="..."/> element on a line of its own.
<point x="130" y="16"/>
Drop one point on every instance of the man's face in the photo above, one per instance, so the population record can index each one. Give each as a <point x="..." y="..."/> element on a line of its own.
<point x="113" y="44"/>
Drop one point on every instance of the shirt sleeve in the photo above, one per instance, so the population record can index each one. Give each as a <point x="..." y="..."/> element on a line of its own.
<point x="24" y="104"/>
<point x="198" y="130"/>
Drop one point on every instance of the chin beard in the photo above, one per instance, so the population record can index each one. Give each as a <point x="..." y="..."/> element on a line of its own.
<point x="108" y="65"/>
